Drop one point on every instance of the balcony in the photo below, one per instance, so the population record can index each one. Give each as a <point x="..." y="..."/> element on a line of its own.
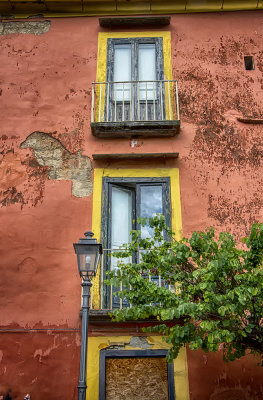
<point x="135" y="108"/>
<point x="108" y="299"/>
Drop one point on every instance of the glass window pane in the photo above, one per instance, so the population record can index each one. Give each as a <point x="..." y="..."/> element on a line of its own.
<point x="121" y="223"/>
<point x="122" y="71"/>
<point x="151" y="204"/>
<point x="147" y="70"/>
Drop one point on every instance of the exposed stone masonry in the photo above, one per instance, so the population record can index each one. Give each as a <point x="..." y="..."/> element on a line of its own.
<point x="33" y="27"/>
<point x="63" y="165"/>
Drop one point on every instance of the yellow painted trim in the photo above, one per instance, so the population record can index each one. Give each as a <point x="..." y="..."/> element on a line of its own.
<point x="98" y="343"/>
<point x="172" y="173"/>
<point x="102" y="50"/>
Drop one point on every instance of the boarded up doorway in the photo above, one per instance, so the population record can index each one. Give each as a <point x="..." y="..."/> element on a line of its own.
<point x="140" y="375"/>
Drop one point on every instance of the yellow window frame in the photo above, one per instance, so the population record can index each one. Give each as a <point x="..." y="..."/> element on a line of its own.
<point x="98" y="343"/>
<point x="102" y="65"/>
<point x="99" y="173"/>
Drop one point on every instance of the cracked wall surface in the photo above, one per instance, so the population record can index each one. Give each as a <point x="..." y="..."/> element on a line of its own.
<point x="220" y="164"/>
<point x="63" y="165"/>
<point x="25" y="27"/>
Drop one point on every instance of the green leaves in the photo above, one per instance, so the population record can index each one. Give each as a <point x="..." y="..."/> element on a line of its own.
<point x="218" y="288"/>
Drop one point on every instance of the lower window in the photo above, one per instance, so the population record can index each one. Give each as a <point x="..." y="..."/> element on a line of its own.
<point x="124" y="201"/>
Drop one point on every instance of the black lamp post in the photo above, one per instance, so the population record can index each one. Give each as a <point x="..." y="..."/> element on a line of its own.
<point x="88" y="254"/>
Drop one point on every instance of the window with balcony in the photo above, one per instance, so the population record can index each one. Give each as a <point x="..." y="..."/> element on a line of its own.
<point x="135" y="68"/>
<point x="136" y="96"/>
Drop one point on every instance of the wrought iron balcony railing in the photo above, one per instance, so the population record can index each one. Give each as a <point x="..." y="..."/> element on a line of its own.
<point x="107" y="297"/>
<point x="132" y="107"/>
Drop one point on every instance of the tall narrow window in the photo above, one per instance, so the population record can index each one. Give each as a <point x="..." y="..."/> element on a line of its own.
<point x="124" y="201"/>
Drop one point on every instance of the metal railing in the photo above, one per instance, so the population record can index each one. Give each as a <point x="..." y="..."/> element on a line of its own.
<point x="107" y="294"/>
<point x="135" y="101"/>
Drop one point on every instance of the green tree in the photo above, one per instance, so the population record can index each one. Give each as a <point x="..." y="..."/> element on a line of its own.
<point x="217" y="294"/>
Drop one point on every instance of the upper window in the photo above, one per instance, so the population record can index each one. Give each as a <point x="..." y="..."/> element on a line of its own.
<point x="134" y="92"/>
<point x="137" y="64"/>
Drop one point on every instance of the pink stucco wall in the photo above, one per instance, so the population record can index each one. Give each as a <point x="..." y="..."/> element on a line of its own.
<point x="45" y="86"/>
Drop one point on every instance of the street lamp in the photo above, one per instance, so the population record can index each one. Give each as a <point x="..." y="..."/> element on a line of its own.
<point x="88" y="253"/>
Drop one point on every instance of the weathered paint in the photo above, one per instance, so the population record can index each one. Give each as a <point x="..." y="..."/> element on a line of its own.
<point x="29" y="360"/>
<point x="62" y="165"/>
<point x="45" y="86"/>
<point x="211" y="378"/>
<point x="126" y="343"/>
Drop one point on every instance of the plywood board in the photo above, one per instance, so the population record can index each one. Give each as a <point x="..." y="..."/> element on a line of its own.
<point x="136" y="378"/>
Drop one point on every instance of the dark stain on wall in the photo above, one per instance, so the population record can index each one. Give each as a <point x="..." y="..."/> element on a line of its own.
<point x="215" y="89"/>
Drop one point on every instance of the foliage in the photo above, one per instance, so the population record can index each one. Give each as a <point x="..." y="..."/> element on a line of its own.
<point x="218" y="289"/>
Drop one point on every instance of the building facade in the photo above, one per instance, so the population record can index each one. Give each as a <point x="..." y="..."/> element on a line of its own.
<point x="112" y="111"/>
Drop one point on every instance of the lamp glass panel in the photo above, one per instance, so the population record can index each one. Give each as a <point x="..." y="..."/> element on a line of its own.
<point x="88" y="257"/>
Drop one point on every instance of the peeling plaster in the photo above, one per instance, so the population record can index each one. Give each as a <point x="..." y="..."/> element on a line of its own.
<point x="33" y="27"/>
<point x="140" y="341"/>
<point x="34" y="359"/>
<point x="136" y="341"/>
<point x="49" y="152"/>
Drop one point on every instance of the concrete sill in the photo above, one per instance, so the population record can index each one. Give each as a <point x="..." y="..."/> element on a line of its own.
<point x="134" y="22"/>
<point x="132" y="156"/>
<point x="138" y="128"/>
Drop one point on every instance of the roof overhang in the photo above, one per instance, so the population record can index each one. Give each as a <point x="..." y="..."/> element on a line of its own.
<point x="69" y="8"/>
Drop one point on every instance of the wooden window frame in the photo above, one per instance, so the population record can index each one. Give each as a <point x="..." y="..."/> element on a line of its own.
<point x="107" y="183"/>
<point x="135" y="42"/>
<point x="159" y="63"/>
<point x="104" y="354"/>
<point x="107" y="121"/>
